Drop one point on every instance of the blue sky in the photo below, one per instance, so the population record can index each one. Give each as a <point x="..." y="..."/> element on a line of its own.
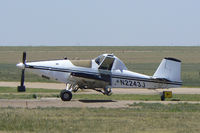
<point x="99" y="22"/>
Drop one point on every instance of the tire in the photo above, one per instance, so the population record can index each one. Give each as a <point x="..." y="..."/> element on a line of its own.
<point x="65" y="95"/>
<point x="162" y="98"/>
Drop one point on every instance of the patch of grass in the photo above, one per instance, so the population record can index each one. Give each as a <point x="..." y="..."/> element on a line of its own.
<point x="27" y="95"/>
<point x="116" y="97"/>
<point x="145" y="119"/>
<point x="31" y="93"/>
<point x="11" y="93"/>
<point x="16" y="96"/>
<point x="187" y="97"/>
<point x="158" y="107"/>
<point x="28" y="90"/>
<point x="181" y="97"/>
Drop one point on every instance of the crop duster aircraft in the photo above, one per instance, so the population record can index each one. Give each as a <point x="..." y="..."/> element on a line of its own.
<point x="102" y="74"/>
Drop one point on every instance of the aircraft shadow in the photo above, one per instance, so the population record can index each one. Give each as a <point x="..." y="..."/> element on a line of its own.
<point x="96" y="101"/>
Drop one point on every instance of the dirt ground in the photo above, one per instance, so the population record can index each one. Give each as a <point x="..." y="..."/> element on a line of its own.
<point x="61" y="86"/>
<point x="56" y="102"/>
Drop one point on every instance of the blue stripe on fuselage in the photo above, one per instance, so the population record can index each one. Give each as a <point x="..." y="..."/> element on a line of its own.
<point x="94" y="74"/>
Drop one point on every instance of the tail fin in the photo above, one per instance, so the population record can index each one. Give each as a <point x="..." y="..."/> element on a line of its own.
<point x="170" y="69"/>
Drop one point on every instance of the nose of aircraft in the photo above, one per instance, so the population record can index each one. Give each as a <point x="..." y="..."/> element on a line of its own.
<point x="21" y="65"/>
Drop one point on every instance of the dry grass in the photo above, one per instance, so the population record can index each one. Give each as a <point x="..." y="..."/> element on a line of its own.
<point x="127" y="54"/>
<point x="140" y="118"/>
<point x="139" y="59"/>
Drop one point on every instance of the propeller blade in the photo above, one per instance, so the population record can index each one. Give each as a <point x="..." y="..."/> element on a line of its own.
<point x="22" y="77"/>
<point x="24" y="58"/>
<point x="22" y="88"/>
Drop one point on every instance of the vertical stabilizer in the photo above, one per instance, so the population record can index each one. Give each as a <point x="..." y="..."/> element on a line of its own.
<point x="170" y="69"/>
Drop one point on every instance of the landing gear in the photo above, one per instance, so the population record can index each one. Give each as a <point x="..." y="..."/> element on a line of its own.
<point x="106" y="91"/>
<point x="75" y="88"/>
<point x="72" y="87"/>
<point x="66" y="95"/>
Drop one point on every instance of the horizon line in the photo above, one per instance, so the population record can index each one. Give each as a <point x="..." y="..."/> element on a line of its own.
<point x="41" y="45"/>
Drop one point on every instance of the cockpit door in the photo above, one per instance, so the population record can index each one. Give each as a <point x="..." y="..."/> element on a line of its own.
<point x="105" y="68"/>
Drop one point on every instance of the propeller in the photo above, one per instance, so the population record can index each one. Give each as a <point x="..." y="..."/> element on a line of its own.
<point x="22" y="88"/>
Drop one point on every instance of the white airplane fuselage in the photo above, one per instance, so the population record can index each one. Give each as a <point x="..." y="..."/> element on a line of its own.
<point x="64" y="71"/>
<point x="102" y="74"/>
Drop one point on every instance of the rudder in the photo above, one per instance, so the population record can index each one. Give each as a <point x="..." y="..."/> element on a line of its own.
<point x="170" y="69"/>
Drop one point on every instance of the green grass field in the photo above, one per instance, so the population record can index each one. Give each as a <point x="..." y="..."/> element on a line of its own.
<point x="11" y="93"/>
<point x="139" y="59"/>
<point x="139" y="118"/>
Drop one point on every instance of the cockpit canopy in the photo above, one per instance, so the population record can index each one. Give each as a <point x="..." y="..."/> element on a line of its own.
<point x="109" y="62"/>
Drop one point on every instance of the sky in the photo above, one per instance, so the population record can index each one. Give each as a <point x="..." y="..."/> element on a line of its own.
<point x="100" y="22"/>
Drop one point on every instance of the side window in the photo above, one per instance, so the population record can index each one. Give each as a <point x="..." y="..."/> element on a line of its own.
<point x="99" y="59"/>
<point x="107" y="63"/>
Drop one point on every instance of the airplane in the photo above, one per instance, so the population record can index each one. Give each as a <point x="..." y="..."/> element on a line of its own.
<point x="102" y="74"/>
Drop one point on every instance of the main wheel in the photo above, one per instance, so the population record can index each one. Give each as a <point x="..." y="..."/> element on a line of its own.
<point x="65" y="95"/>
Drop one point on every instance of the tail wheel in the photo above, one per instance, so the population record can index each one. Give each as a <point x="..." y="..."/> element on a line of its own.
<point x="65" y="95"/>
